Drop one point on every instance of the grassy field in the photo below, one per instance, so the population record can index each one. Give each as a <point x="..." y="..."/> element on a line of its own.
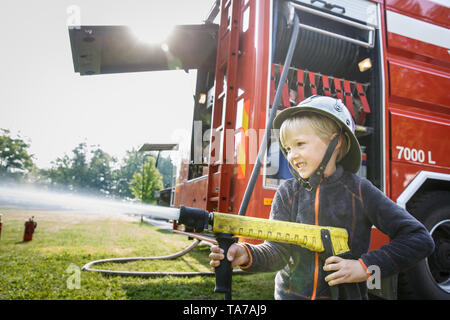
<point x="49" y="266"/>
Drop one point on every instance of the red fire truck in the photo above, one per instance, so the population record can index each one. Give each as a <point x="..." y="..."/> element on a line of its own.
<point x="387" y="60"/>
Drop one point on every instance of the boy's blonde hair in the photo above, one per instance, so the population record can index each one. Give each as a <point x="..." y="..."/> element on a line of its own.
<point x="323" y="126"/>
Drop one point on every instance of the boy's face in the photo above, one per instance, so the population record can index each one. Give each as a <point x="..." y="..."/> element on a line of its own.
<point x="305" y="151"/>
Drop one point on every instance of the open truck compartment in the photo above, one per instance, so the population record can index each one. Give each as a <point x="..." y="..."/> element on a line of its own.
<point x="338" y="54"/>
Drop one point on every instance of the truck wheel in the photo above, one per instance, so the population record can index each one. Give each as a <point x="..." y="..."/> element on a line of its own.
<point x="430" y="278"/>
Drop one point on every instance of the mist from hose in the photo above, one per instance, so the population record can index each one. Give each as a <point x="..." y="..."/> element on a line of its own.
<point x="26" y="196"/>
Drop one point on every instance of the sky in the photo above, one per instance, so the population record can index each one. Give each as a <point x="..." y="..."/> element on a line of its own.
<point x="54" y="108"/>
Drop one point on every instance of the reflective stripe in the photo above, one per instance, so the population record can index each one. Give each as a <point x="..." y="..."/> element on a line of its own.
<point x="444" y="3"/>
<point x="417" y="29"/>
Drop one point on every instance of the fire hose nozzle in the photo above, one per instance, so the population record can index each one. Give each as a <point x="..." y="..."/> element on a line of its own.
<point x="198" y="219"/>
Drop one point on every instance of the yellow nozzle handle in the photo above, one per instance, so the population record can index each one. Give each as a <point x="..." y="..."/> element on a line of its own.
<point x="304" y="235"/>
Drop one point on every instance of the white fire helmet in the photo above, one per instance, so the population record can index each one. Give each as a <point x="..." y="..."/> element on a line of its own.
<point x="335" y="110"/>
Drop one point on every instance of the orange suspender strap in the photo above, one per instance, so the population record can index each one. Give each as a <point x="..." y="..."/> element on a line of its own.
<point x="316" y="254"/>
<point x="312" y="82"/>
<point x="365" y="105"/>
<point x="300" y="85"/>
<point x="349" y="98"/>
<point x="285" y="93"/>
<point x="338" y="89"/>
<point x="272" y="84"/>
<point x="326" y="86"/>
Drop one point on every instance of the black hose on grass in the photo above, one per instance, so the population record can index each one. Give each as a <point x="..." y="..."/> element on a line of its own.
<point x="87" y="267"/>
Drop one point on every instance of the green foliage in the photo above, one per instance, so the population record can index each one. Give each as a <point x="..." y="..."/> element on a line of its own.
<point x="146" y="183"/>
<point x="15" y="161"/>
<point x="79" y="166"/>
<point x="87" y="169"/>
<point x="77" y="173"/>
<point x="132" y="162"/>
<point x="100" y="172"/>
<point x="165" y="166"/>
<point x="96" y="171"/>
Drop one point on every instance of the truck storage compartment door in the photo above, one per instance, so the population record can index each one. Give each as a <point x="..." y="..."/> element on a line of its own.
<point x="116" y="49"/>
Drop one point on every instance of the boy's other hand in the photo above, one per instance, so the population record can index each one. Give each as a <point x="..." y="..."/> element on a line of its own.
<point x="347" y="271"/>
<point x="237" y="255"/>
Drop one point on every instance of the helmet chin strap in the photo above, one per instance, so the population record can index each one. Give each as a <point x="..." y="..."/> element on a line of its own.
<point x="316" y="177"/>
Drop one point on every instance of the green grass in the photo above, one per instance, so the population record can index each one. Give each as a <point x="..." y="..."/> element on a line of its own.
<point x="40" y="269"/>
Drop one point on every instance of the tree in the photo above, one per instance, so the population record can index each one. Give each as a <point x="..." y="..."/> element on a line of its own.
<point x="78" y="173"/>
<point x="61" y="173"/>
<point x="15" y="161"/>
<point x="79" y="166"/>
<point x="100" y="176"/>
<point x="165" y="167"/>
<point x="70" y="171"/>
<point x="90" y="169"/>
<point x="132" y="163"/>
<point x="144" y="184"/>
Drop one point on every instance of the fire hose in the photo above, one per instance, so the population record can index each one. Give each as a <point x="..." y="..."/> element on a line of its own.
<point x="330" y="240"/>
<point x="88" y="267"/>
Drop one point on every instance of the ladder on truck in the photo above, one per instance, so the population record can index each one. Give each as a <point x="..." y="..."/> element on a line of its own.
<point x="224" y="112"/>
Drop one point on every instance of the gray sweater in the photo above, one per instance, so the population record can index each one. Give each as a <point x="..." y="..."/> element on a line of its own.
<point x="344" y="200"/>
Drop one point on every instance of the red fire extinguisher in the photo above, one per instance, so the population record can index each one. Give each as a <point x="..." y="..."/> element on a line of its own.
<point x="30" y="226"/>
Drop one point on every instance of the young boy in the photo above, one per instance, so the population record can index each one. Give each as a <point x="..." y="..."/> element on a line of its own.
<point x="317" y="138"/>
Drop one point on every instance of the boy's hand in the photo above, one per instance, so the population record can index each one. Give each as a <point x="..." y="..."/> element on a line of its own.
<point x="236" y="254"/>
<point x="347" y="271"/>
